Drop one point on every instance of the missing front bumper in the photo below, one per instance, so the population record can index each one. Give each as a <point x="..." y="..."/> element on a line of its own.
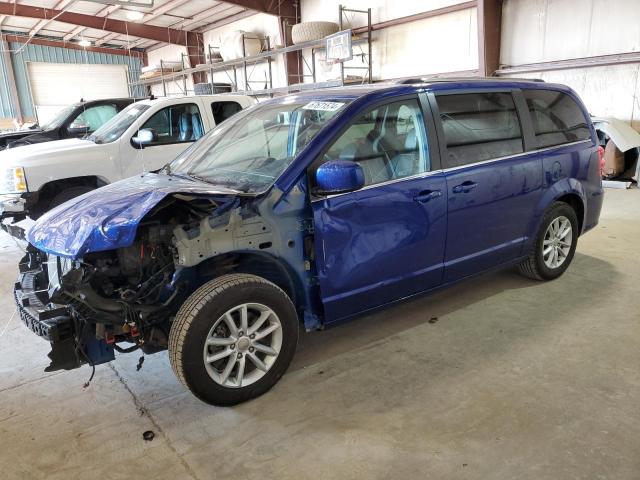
<point x="73" y="342"/>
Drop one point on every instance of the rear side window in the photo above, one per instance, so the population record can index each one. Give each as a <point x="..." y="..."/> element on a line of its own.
<point x="223" y="110"/>
<point x="556" y="117"/>
<point x="479" y="126"/>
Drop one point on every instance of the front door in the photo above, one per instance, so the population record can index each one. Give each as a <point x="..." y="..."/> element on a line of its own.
<point x="385" y="241"/>
<point x="175" y="127"/>
<point x="492" y="185"/>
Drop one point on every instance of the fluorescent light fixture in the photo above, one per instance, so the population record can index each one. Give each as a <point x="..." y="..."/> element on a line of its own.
<point x="134" y="15"/>
<point x="84" y="43"/>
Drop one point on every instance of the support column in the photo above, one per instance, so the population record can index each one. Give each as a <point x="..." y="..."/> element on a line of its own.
<point x="489" y="28"/>
<point x="195" y="51"/>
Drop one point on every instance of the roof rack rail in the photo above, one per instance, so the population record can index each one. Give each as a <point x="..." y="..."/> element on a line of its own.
<point x="417" y="80"/>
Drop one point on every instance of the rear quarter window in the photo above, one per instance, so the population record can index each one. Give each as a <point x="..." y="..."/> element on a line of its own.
<point x="556" y="118"/>
<point x="223" y="110"/>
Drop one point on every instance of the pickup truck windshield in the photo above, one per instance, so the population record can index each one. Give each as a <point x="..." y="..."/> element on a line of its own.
<point x="59" y="118"/>
<point x="250" y="150"/>
<point x="114" y="128"/>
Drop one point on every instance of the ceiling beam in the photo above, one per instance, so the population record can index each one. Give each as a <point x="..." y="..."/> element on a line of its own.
<point x="227" y="20"/>
<point x="279" y="8"/>
<point x="105" y="12"/>
<point x="61" y="5"/>
<point x="72" y="46"/>
<point x="161" y="34"/>
<point x="219" y="7"/>
<point x="106" y="38"/>
<point x="152" y="15"/>
<point x="161" y="10"/>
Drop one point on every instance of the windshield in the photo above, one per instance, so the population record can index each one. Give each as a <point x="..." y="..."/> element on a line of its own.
<point x="59" y="118"/>
<point x="250" y="150"/>
<point x="114" y="128"/>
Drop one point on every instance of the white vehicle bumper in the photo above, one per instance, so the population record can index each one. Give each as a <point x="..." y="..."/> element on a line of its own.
<point x="12" y="203"/>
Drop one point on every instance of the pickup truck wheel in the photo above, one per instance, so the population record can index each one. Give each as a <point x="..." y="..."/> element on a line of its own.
<point x="43" y="207"/>
<point x="555" y="244"/>
<point x="68" y="194"/>
<point x="233" y="339"/>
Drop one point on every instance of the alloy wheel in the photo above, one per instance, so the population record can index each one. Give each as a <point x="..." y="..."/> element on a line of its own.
<point x="243" y="345"/>
<point x="557" y="242"/>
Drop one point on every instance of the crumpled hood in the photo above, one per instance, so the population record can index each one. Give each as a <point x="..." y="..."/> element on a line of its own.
<point x="107" y="218"/>
<point x="622" y="134"/>
<point x="58" y="148"/>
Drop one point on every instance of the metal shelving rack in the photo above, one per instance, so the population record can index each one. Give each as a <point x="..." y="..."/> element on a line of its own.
<point x="268" y="55"/>
<point x="365" y="57"/>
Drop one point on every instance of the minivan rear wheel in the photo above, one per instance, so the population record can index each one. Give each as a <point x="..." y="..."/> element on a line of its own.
<point x="555" y="244"/>
<point x="233" y="339"/>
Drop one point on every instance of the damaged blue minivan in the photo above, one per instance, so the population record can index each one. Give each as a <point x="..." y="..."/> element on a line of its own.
<point x="306" y="210"/>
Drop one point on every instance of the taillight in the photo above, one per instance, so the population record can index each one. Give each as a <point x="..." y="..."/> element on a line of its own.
<point x="601" y="160"/>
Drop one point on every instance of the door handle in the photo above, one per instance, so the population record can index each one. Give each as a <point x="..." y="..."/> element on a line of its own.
<point x="426" y="195"/>
<point x="465" y="187"/>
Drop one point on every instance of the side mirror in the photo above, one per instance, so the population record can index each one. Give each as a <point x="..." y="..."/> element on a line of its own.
<point x="77" y="129"/>
<point x="145" y="136"/>
<point x="339" y="176"/>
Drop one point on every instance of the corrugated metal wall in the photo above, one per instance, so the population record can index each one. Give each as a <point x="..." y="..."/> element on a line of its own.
<point x="7" y="109"/>
<point x="21" y="54"/>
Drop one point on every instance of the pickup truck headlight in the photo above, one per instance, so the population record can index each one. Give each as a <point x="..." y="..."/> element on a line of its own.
<point x="14" y="180"/>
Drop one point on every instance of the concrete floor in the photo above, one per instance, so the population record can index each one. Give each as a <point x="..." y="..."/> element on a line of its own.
<point x="516" y="379"/>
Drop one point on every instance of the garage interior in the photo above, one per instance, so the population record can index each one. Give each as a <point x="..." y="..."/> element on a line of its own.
<point x="496" y="377"/>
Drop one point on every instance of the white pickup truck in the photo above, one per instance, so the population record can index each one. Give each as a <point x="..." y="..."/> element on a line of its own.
<point x="144" y="136"/>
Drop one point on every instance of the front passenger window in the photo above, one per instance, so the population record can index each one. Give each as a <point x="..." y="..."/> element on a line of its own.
<point x="388" y="142"/>
<point x="176" y="124"/>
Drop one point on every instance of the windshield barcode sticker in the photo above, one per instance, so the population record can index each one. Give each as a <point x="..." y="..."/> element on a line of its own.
<point x="323" y="106"/>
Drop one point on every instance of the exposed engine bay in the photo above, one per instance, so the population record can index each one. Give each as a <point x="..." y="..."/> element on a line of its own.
<point x="89" y="307"/>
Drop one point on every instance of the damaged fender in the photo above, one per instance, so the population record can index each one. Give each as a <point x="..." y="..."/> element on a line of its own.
<point x="108" y="218"/>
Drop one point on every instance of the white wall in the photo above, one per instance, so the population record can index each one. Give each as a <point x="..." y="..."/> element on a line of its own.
<point x="415" y="48"/>
<point x="170" y="53"/>
<point x="440" y="44"/>
<point x="546" y="30"/>
<point x="260" y="23"/>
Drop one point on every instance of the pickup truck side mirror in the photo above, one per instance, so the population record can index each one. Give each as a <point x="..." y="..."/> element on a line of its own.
<point x="77" y="129"/>
<point x="339" y="176"/>
<point x="145" y="137"/>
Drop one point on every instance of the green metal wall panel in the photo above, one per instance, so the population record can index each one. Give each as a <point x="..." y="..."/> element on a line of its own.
<point x="21" y="54"/>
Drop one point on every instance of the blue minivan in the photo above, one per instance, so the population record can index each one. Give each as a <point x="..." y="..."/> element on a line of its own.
<point x="306" y="210"/>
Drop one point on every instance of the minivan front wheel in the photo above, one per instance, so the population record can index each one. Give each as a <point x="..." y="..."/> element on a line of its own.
<point x="233" y="339"/>
<point x="555" y="244"/>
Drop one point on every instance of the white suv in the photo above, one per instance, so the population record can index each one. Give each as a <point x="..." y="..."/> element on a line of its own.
<point x="144" y="136"/>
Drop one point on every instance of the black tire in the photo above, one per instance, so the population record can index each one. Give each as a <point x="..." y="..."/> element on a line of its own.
<point x="310" y="31"/>
<point x="534" y="266"/>
<point x="68" y="194"/>
<point x="197" y="317"/>
<point x="65" y="195"/>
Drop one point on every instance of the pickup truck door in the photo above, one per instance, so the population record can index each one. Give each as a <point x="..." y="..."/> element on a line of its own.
<point x="385" y="241"/>
<point x="176" y="126"/>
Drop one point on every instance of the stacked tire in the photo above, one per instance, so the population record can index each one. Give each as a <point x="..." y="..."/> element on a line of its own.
<point x="312" y="31"/>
